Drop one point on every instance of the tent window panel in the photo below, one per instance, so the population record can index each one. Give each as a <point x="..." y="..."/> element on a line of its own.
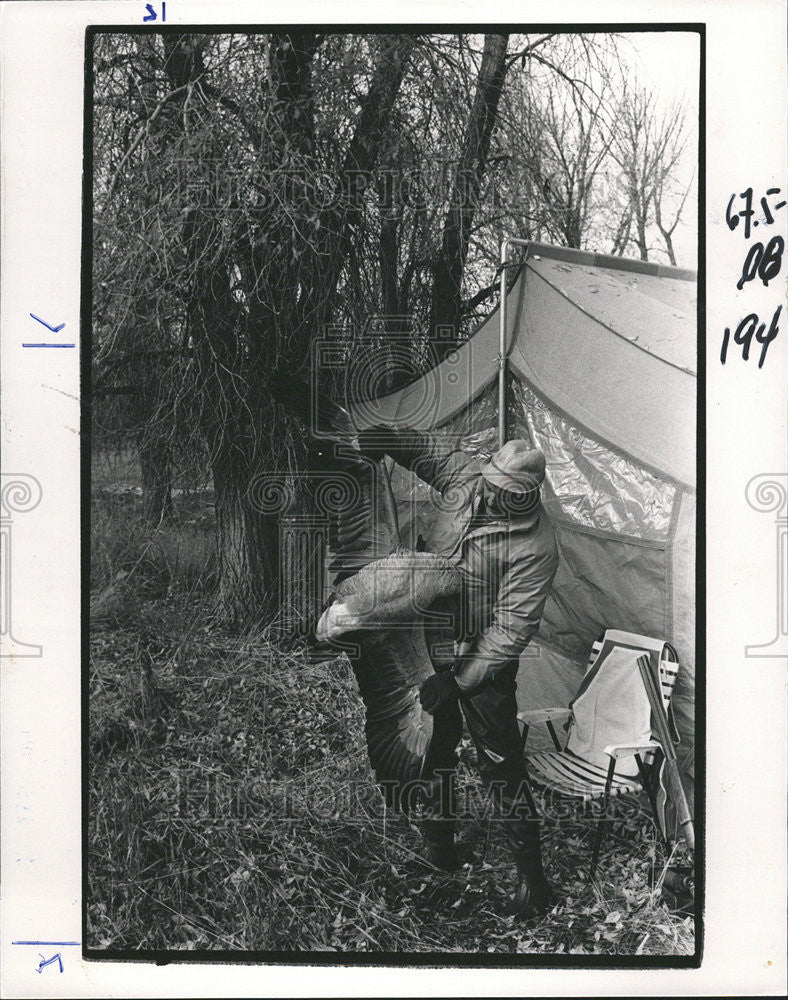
<point x="595" y="486"/>
<point x="476" y="427"/>
<point x="589" y="483"/>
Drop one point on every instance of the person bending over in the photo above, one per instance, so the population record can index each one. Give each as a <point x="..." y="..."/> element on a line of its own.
<point x="490" y="521"/>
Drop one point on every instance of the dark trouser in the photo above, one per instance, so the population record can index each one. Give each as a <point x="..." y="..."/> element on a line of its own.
<point x="491" y="716"/>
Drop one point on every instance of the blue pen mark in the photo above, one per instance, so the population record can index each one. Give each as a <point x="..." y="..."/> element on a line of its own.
<point x="48" y="961"/>
<point x="50" y="944"/>
<point x="48" y="345"/>
<point x="151" y="15"/>
<point x="54" y="329"/>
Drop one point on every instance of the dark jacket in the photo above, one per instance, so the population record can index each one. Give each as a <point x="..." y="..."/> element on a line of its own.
<point x="508" y="563"/>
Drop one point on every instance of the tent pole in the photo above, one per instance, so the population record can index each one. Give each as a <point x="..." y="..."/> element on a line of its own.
<point x="502" y="353"/>
<point x="502" y="349"/>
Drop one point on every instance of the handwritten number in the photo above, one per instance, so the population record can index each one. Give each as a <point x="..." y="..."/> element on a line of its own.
<point x="747" y="212"/>
<point x="731" y="218"/>
<point x="750" y="327"/>
<point x="781" y="204"/>
<point x="764" y="261"/>
<point x="750" y="266"/>
<point x="726" y="337"/>
<point x="744" y="334"/>
<point x="49" y="961"/>
<point x="765" y="340"/>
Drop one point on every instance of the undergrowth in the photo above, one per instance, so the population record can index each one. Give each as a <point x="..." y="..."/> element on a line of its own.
<point x="231" y="806"/>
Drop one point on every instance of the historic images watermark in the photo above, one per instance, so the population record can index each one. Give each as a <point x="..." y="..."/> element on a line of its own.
<point x="217" y="799"/>
<point x="351" y="487"/>
<point x="19" y="493"/>
<point x="209" y="183"/>
<point x="768" y="493"/>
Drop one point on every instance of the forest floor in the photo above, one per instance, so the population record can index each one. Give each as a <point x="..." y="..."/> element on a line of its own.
<point x="232" y="807"/>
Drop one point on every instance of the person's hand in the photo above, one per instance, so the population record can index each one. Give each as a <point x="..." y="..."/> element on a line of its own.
<point x="374" y="442"/>
<point x="438" y="690"/>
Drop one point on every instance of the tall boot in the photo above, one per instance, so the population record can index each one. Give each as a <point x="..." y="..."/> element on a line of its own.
<point x="534" y="893"/>
<point x="439" y="790"/>
<point x="438" y="823"/>
<point x="513" y="803"/>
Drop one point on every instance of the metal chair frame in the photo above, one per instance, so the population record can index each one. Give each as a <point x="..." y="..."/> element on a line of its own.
<point x="640" y="752"/>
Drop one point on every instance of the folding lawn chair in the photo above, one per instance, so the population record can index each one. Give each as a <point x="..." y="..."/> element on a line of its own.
<point x="610" y="749"/>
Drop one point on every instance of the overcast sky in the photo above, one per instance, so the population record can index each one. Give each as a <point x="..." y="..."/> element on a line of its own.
<point x="669" y="62"/>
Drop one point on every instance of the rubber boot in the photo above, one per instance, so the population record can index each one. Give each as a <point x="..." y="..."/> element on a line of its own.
<point x="440" y="849"/>
<point x="438" y="822"/>
<point x="534" y="894"/>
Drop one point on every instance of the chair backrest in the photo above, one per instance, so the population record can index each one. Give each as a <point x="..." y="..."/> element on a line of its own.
<point x="611" y="705"/>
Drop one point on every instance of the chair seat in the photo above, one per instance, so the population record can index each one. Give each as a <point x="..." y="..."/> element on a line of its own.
<point x="569" y="774"/>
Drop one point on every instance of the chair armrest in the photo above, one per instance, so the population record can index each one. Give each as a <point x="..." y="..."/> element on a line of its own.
<point x="617" y="750"/>
<point x="535" y="715"/>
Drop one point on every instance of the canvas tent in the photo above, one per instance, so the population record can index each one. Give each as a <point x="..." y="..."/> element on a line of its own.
<point x="601" y="376"/>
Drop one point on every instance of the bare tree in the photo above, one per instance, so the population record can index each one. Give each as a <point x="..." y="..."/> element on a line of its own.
<point x="446" y="294"/>
<point x="648" y="148"/>
<point x="138" y="313"/>
<point x="253" y="190"/>
<point x="569" y="134"/>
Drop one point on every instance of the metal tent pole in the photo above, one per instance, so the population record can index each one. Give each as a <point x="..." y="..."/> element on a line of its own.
<point x="502" y="353"/>
<point x="502" y="349"/>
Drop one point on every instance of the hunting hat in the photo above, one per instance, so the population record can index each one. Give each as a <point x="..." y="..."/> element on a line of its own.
<point x="517" y="467"/>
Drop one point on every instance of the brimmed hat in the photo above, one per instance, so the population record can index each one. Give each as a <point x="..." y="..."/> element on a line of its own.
<point x="516" y="467"/>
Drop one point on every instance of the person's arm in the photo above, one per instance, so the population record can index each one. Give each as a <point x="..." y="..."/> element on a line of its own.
<point x="515" y="618"/>
<point x="436" y="459"/>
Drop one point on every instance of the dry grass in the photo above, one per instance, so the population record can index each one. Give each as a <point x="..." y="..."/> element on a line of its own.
<point x="130" y="563"/>
<point x="221" y="816"/>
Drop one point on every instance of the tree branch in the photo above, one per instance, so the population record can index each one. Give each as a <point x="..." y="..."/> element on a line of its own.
<point x="141" y="135"/>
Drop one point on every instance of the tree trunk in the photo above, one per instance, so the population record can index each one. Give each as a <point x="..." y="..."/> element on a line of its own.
<point x="246" y="540"/>
<point x="641" y="241"/>
<point x="641" y="218"/>
<point x="231" y="378"/>
<point x="446" y="309"/>
<point x="387" y="258"/>
<point x="156" y="483"/>
<point x="246" y="543"/>
<point x="238" y="445"/>
<point x="340" y="221"/>
<point x="667" y="234"/>
<point x="621" y="237"/>
<point x="669" y="246"/>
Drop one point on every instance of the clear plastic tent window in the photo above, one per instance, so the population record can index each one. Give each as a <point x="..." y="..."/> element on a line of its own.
<point x="595" y="486"/>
